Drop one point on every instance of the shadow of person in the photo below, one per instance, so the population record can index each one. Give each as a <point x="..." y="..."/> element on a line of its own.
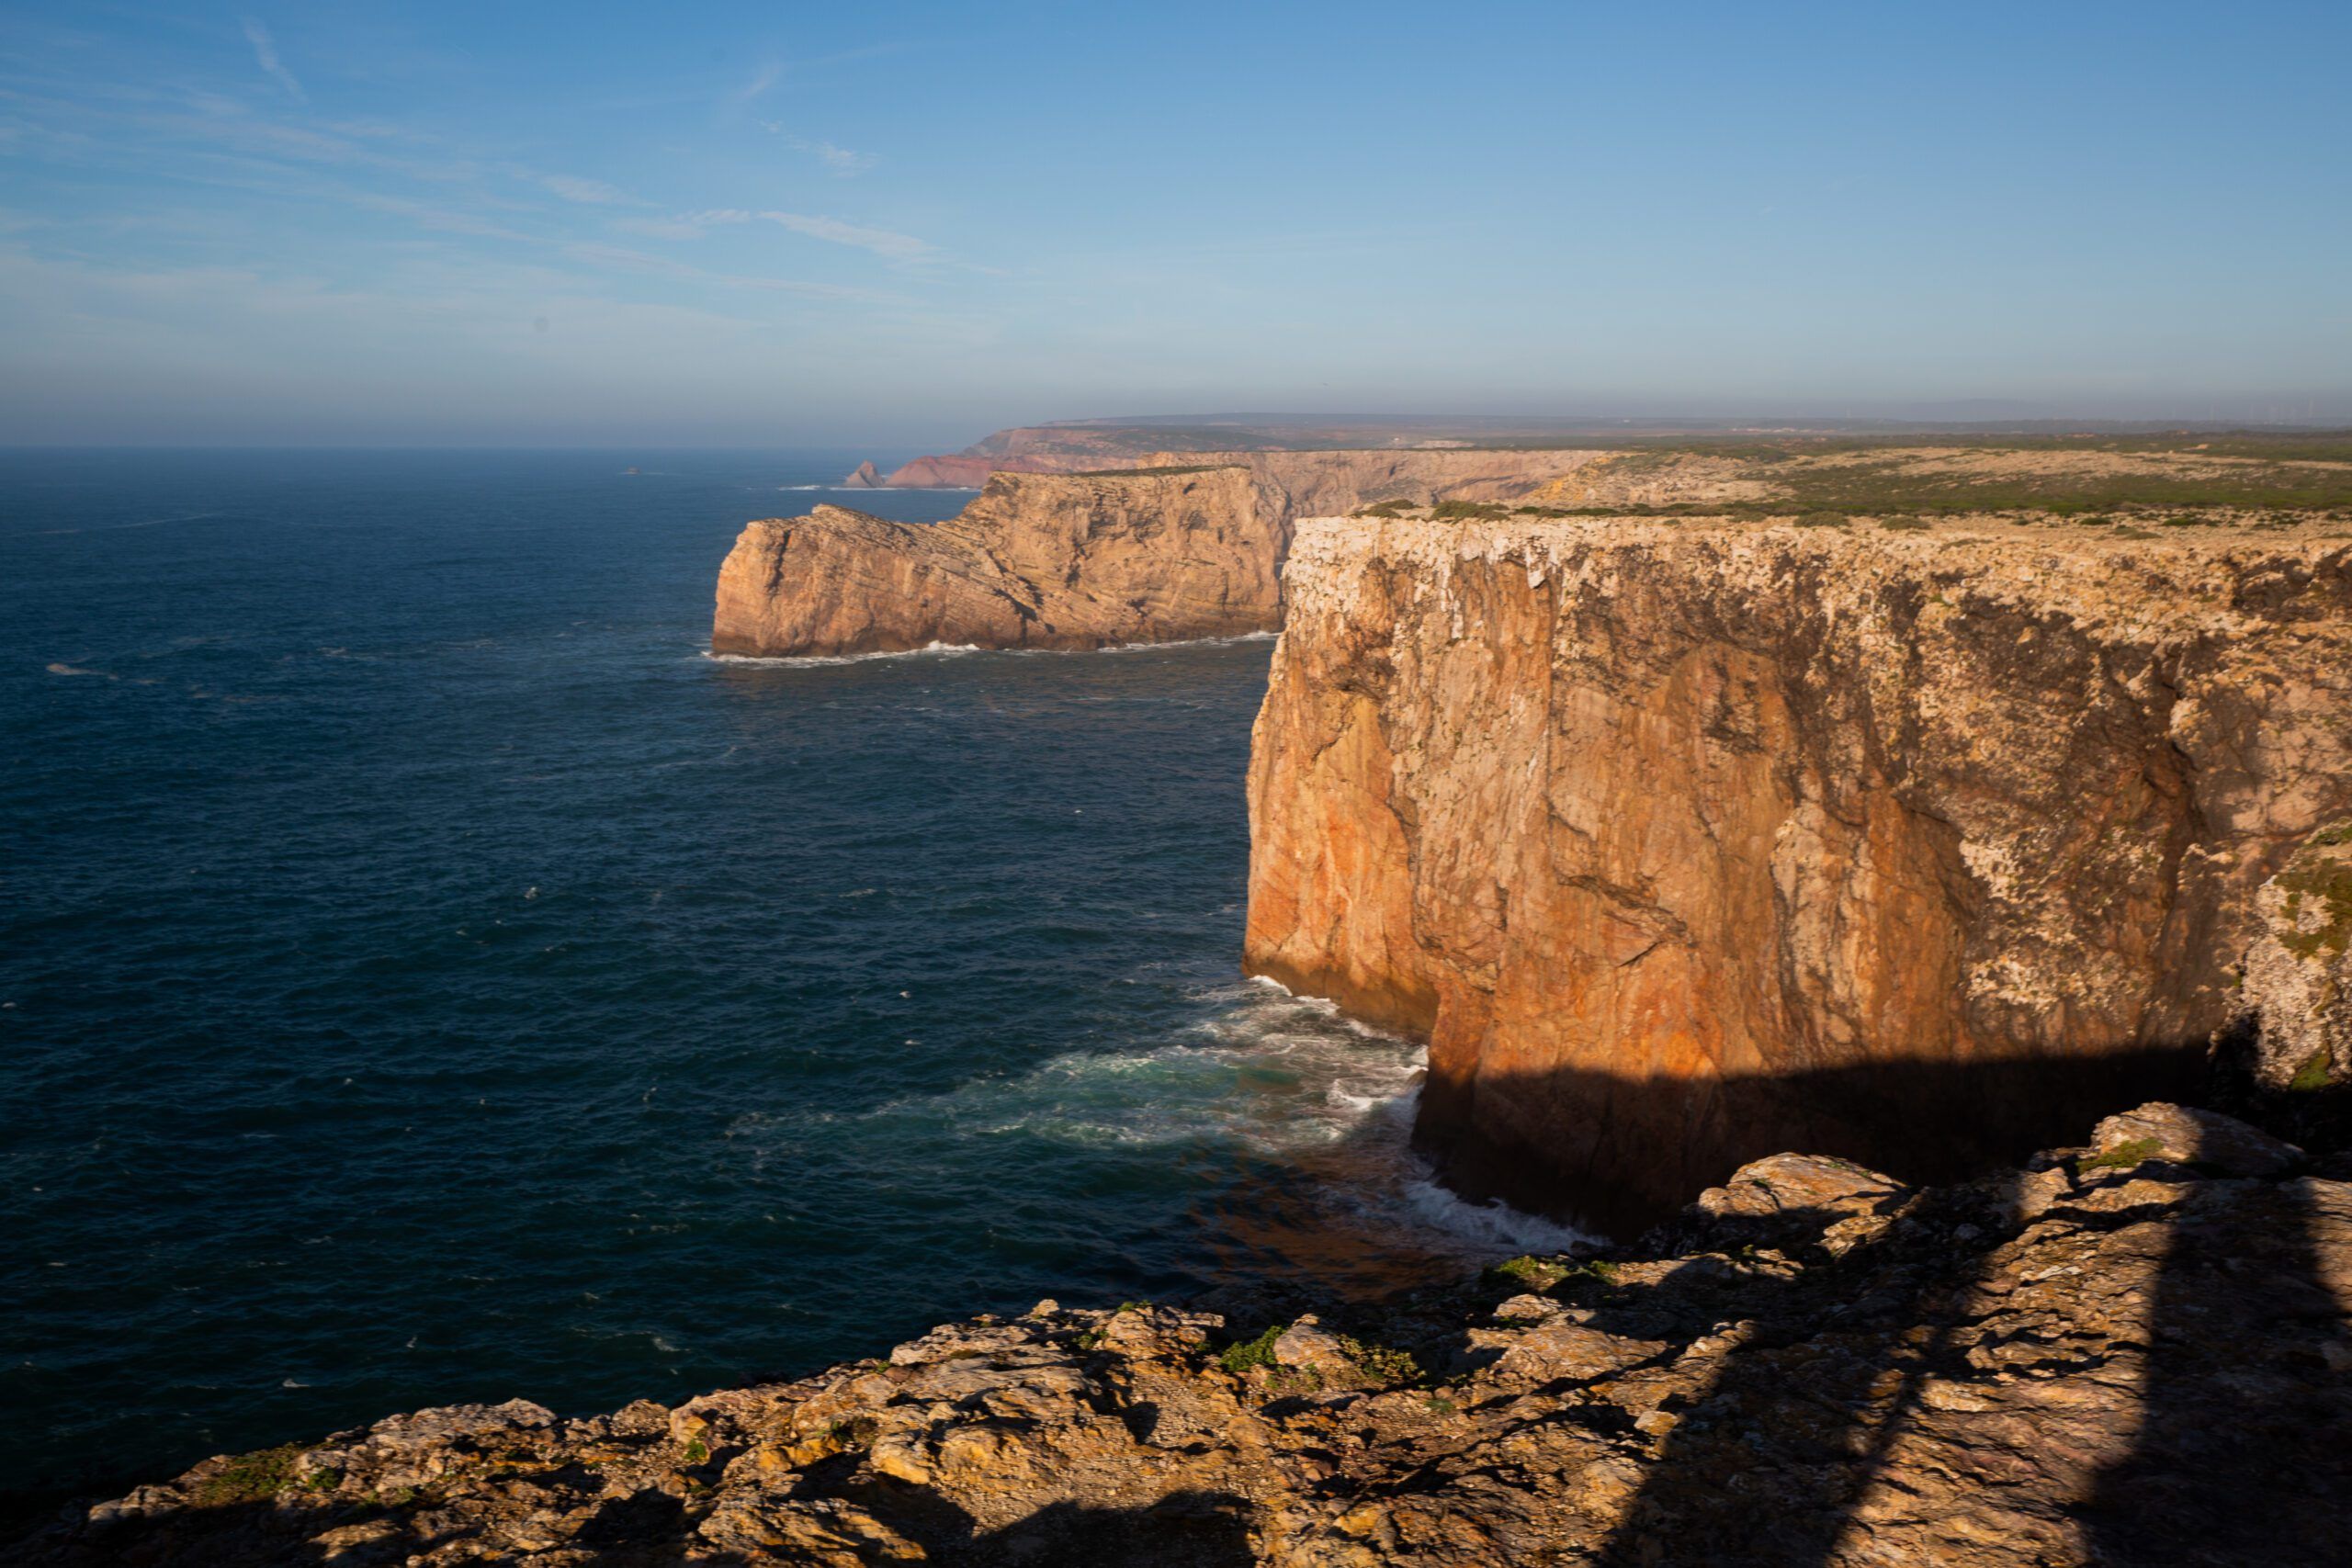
<point x="1183" y="1530"/>
<point x="1769" y="1463"/>
<point x="2244" y="1448"/>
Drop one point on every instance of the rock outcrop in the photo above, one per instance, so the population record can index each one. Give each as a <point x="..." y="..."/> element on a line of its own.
<point x="1038" y="561"/>
<point x="1683" y="841"/>
<point x="1162" y="553"/>
<point x="865" y="476"/>
<point x="2136" y="1351"/>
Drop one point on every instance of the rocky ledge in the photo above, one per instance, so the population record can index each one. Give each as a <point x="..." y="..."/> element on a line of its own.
<point x="2135" y="1351"/>
<point x="1684" y="840"/>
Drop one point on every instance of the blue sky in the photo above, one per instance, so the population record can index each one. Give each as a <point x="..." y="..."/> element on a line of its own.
<point x="801" y="224"/>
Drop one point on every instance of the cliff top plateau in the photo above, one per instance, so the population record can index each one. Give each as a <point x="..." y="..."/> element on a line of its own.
<point x="1064" y="448"/>
<point x="2136" y="1351"/>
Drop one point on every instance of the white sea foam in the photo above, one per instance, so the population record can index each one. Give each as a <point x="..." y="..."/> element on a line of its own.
<point x="808" y="660"/>
<point x="1272" y="1077"/>
<point x="957" y="649"/>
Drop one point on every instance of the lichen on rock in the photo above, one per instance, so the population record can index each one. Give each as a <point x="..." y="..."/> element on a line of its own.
<point x="2298" y="970"/>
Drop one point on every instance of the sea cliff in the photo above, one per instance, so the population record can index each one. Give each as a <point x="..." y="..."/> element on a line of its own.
<point x="1686" y="841"/>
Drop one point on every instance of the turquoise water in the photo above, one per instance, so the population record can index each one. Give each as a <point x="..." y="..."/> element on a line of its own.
<point x="426" y="975"/>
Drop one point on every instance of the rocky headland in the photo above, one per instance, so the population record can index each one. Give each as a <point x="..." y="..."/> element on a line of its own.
<point x="1684" y="841"/>
<point x="1161" y="553"/>
<point x="2131" y="1351"/>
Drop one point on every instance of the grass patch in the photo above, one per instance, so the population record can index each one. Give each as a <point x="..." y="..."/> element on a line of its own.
<point x="1906" y="525"/>
<point x="2123" y="1156"/>
<point x="1467" y="512"/>
<point x="1149" y="473"/>
<point x="1530" y="1272"/>
<point x="258" y="1477"/>
<point x="2312" y="1076"/>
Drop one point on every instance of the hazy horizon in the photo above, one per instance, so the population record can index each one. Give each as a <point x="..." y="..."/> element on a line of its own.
<point x="910" y="225"/>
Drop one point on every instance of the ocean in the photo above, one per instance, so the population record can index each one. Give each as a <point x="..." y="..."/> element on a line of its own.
<point x="426" y="975"/>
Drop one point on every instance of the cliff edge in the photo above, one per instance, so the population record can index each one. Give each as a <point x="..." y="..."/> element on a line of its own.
<point x="1687" y="841"/>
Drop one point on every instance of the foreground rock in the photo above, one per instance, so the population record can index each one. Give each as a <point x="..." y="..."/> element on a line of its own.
<point x="2137" y="1351"/>
<point x="1683" y="841"/>
<point x="1167" y="552"/>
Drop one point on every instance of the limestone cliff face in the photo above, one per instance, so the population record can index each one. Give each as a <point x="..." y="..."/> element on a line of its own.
<point x="1687" y="842"/>
<point x="1036" y="561"/>
<point x="1164" y="552"/>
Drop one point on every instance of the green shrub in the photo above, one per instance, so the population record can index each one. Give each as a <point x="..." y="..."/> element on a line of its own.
<point x="250" y="1478"/>
<point x="1240" y="1356"/>
<point x="1532" y="1273"/>
<point x="1381" y="1363"/>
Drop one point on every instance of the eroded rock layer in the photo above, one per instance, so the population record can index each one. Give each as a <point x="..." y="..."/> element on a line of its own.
<point x="1684" y="842"/>
<point x="2135" y="1351"/>
<point x="1162" y="553"/>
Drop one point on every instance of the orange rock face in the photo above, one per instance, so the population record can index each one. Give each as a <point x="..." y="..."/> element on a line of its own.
<point x="1686" y="843"/>
<point x="1038" y="561"/>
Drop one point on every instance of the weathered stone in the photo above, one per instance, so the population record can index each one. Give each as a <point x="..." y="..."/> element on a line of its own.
<point x="2151" y="1365"/>
<point x="2299" y="966"/>
<point x="2187" y="1135"/>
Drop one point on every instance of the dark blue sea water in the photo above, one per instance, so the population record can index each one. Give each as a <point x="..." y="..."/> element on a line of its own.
<point x="426" y="976"/>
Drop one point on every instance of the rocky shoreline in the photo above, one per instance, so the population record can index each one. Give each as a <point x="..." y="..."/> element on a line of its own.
<point x="2134" y="1352"/>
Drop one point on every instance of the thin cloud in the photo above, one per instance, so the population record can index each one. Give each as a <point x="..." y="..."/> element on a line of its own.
<point x="265" y="52"/>
<point x="761" y="82"/>
<point x="623" y="259"/>
<point x="589" y="193"/>
<point x="881" y="242"/>
<point x="841" y="160"/>
<point x="660" y="228"/>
